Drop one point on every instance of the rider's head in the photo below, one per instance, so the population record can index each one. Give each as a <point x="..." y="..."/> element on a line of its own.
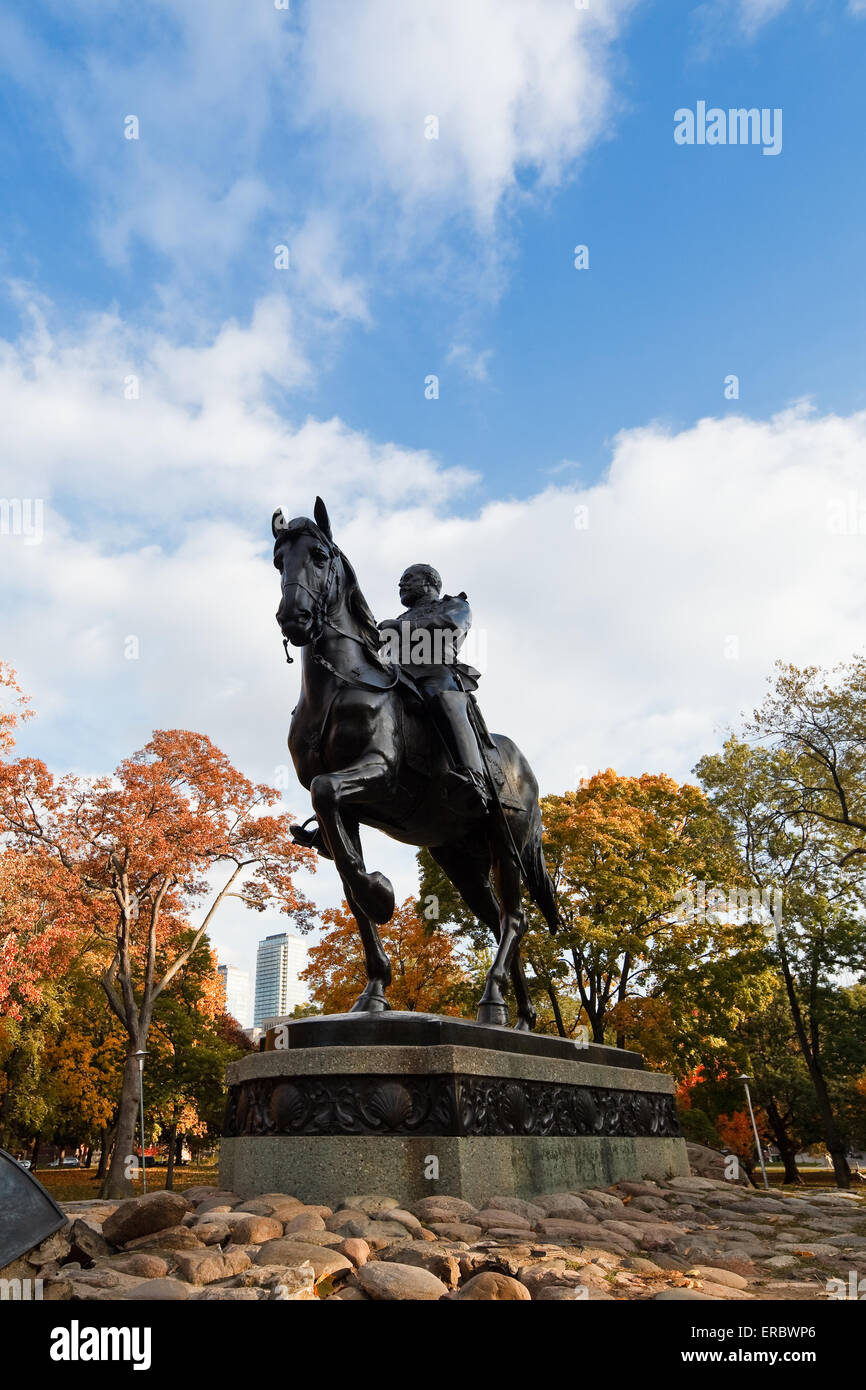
<point x="419" y="583"/>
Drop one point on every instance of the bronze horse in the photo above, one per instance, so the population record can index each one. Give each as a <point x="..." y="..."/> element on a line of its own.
<point x="365" y="750"/>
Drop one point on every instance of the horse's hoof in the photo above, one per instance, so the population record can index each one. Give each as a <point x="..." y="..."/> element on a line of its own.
<point x="525" y="1024"/>
<point x="375" y="896"/>
<point x="370" y="1004"/>
<point x="496" y="1014"/>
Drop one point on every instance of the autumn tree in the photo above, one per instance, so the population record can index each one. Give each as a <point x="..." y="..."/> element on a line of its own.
<point x="821" y="930"/>
<point x="629" y="858"/>
<point x="192" y="1041"/>
<point x="82" y="1066"/>
<point x="738" y="1137"/>
<point x="42" y="918"/>
<point x="44" y="930"/>
<point x="14" y="707"/>
<point x="173" y="834"/>
<point x="428" y="976"/>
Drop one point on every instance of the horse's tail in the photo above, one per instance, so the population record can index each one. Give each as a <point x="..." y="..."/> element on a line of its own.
<point x="538" y="880"/>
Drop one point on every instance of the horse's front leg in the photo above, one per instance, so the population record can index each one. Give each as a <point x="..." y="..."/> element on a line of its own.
<point x="331" y="793"/>
<point x="372" y="999"/>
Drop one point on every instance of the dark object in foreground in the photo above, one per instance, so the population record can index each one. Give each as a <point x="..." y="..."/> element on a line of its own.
<point x="28" y="1215"/>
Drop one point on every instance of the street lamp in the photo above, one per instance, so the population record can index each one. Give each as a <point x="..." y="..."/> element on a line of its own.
<point x="140" y="1056"/>
<point x="745" y="1081"/>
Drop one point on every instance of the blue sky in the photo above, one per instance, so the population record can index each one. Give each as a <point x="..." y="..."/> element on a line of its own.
<point x="713" y="545"/>
<point x="702" y="262"/>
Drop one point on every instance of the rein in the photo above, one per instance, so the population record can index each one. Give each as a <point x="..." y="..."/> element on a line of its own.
<point x="321" y="603"/>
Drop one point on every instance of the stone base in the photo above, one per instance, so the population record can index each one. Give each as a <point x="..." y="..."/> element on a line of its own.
<point x="326" y="1169"/>
<point x="320" y="1117"/>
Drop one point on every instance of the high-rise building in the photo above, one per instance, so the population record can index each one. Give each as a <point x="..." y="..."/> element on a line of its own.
<point x="279" y="962"/>
<point x="236" y="992"/>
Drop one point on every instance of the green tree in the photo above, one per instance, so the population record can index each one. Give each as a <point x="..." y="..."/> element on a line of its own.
<point x="799" y="856"/>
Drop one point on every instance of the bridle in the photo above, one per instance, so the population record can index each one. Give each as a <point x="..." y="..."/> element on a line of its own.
<point x="321" y="601"/>
<point x="321" y="604"/>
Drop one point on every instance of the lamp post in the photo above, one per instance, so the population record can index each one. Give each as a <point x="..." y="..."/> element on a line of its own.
<point x="140" y="1056"/>
<point x="745" y="1081"/>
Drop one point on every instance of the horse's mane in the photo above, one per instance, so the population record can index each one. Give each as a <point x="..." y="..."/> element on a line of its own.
<point x="360" y="610"/>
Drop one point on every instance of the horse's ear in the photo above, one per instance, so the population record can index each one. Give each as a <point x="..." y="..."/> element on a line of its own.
<point x="278" y="523"/>
<point x="323" y="521"/>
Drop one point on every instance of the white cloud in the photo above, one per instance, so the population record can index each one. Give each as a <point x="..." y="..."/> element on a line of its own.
<point x="708" y="553"/>
<point x="473" y="363"/>
<point x="754" y="14"/>
<point x="199" y="76"/>
<point x="749" y="17"/>
<point x="220" y="90"/>
<point x="162" y="530"/>
<point x="203" y="437"/>
<point x="516" y="90"/>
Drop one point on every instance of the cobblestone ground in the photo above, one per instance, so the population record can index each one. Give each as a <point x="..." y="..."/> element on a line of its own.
<point x="688" y="1238"/>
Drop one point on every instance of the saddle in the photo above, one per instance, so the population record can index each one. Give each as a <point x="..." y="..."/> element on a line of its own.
<point x="419" y="758"/>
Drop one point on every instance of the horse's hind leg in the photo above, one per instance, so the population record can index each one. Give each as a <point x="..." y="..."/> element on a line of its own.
<point x="470" y="875"/>
<point x="492" y="1008"/>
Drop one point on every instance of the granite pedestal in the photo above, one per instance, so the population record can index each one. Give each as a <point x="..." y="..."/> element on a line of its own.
<point x="414" y="1105"/>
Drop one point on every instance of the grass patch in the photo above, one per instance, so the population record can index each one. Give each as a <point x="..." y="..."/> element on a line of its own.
<point x="82" y="1184"/>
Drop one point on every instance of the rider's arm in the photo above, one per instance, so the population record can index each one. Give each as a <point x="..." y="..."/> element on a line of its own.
<point x="457" y="615"/>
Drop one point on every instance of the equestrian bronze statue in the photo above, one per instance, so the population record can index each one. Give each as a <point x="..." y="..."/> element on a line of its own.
<point x="386" y="733"/>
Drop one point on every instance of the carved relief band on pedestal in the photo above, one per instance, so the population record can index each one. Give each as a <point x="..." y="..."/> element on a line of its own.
<point x="444" y="1105"/>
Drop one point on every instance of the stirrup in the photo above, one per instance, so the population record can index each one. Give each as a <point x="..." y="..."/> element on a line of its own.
<point x="474" y="788"/>
<point x="302" y="836"/>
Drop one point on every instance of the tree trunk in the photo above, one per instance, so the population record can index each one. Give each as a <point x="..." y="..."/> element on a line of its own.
<point x="832" y="1137"/>
<point x="621" y="994"/>
<point x="550" y="991"/>
<point x="784" y="1143"/>
<point x="118" y="1181"/>
<point x="557" y="1012"/>
<point x="35" y="1153"/>
<point x="789" y="1158"/>
<point x="172" y="1142"/>
<point x="107" y="1138"/>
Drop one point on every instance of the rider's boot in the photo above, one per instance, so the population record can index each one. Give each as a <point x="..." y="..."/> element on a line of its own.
<point x="310" y="839"/>
<point x="451" y="714"/>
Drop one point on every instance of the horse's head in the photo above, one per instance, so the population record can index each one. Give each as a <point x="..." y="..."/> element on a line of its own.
<point x="308" y="559"/>
<point x="318" y="584"/>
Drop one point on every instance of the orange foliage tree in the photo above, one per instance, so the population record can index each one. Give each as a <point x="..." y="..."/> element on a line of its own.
<point x="13" y="706"/>
<point x="736" y="1133"/>
<point x="142" y="848"/>
<point x="38" y="905"/>
<point x="428" y="976"/>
